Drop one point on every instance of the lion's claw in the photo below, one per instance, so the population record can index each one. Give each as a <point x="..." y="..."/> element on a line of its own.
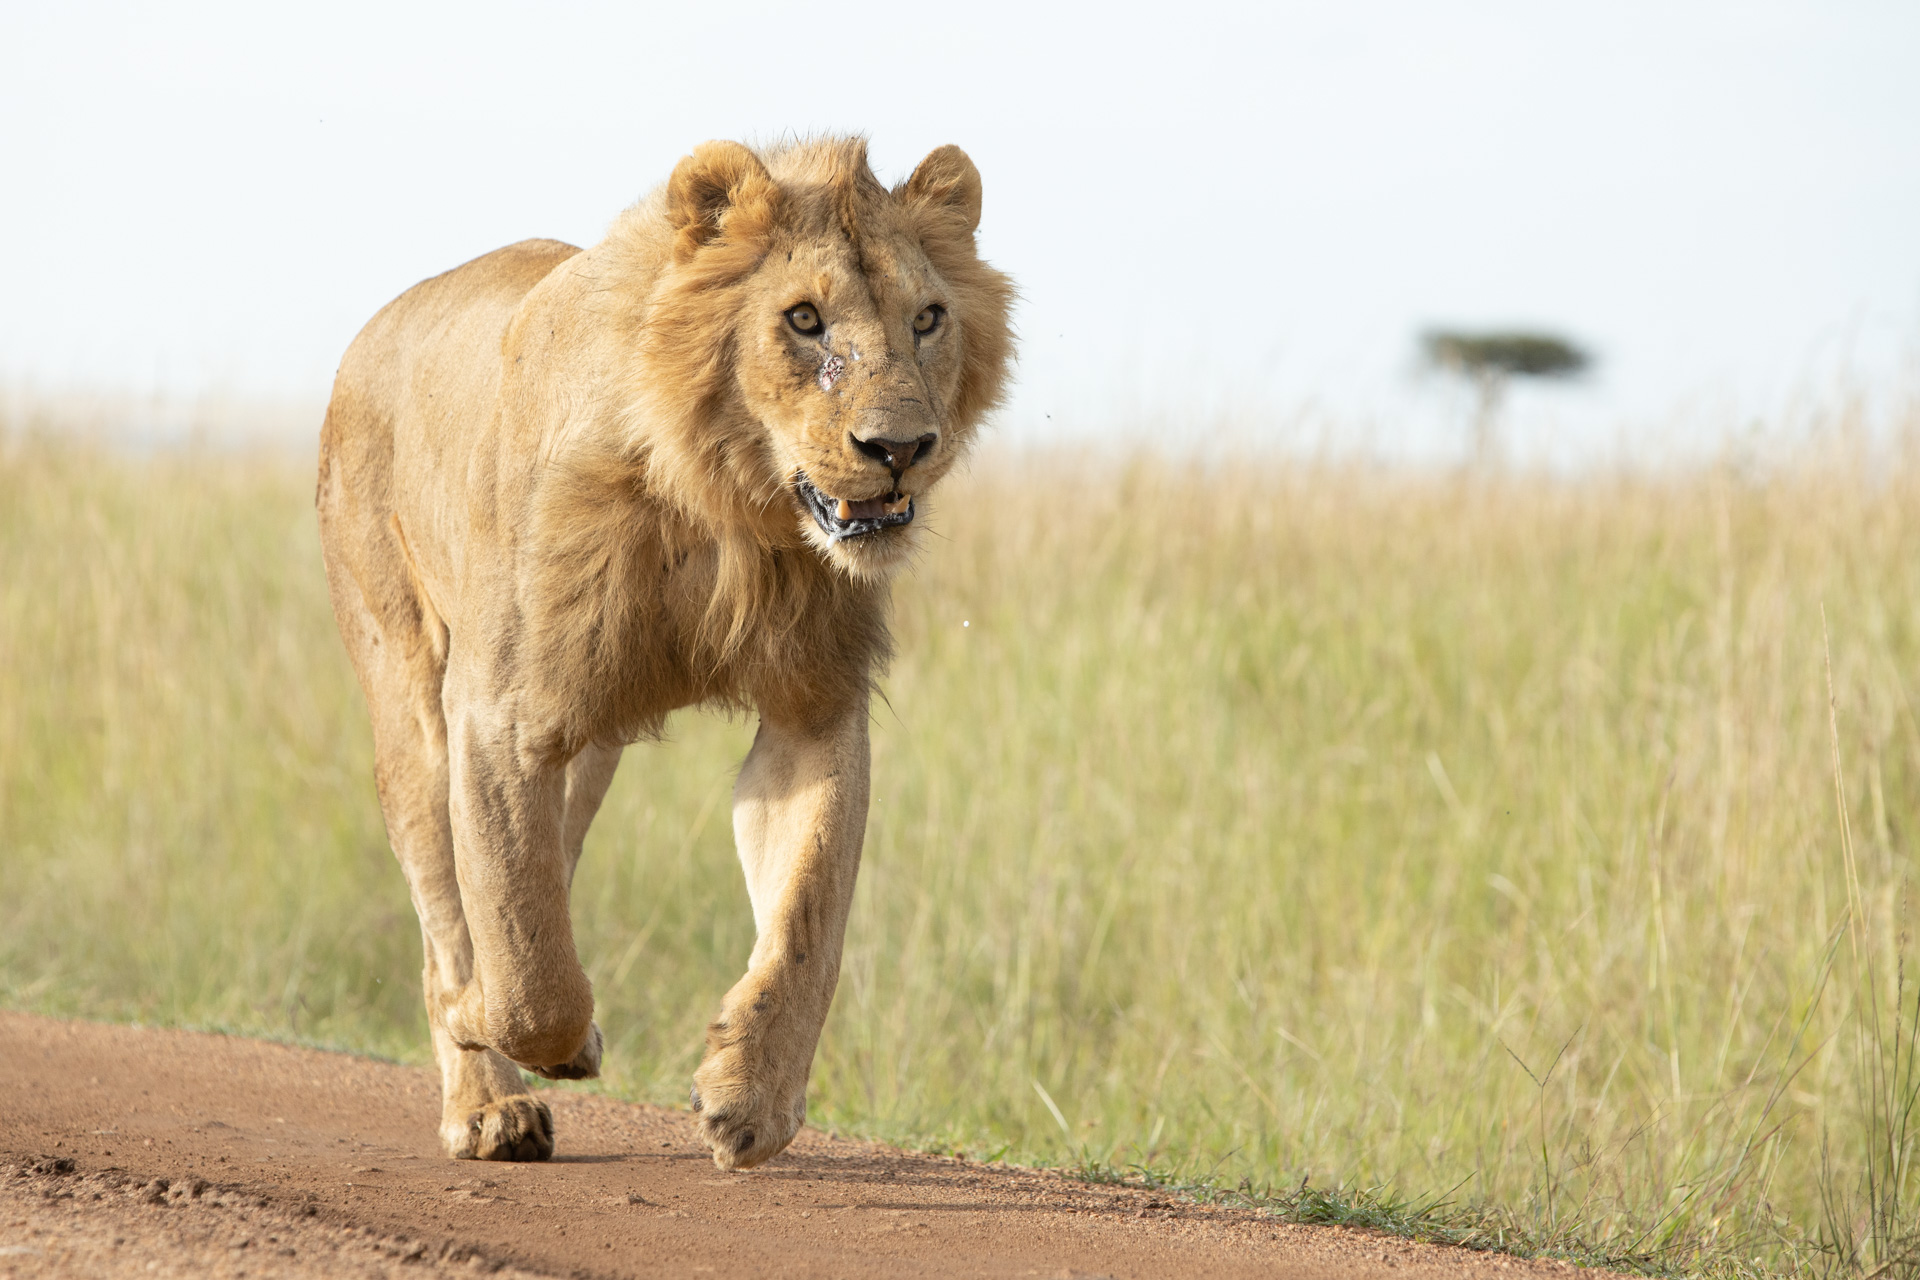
<point x="519" y="1128"/>
<point x="736" y="1139"/>
<point x="748" y="1127"/>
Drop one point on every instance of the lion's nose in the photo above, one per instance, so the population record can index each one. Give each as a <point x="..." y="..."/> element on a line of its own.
<point x="896" y="455"/>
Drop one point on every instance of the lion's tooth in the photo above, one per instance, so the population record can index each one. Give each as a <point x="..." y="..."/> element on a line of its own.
<point x="896" y="508"/>
<point x="846" y="509"/>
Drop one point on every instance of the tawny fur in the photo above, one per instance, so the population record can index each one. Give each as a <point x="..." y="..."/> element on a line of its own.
<point x="558" y="501"/>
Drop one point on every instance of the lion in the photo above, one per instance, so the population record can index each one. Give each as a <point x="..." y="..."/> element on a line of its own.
<point x="565" y="492"/>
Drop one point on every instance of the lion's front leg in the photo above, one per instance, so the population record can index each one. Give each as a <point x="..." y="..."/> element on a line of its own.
<point x="487" y="1113"/>
<point x="799" y="816"/>
<point x="527" y="997"/>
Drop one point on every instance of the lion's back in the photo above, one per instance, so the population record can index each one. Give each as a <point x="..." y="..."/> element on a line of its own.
<point x="416" y="386"/>
<point x="444" y="334"/>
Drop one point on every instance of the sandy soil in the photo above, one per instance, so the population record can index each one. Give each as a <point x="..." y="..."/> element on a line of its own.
<point x="136" y="1152"/>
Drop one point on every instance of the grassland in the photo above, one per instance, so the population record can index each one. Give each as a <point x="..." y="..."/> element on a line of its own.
<point x="1476" y="838"/>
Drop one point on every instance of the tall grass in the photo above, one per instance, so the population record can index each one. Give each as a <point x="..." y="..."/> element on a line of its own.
<point x="1487" y="838"/>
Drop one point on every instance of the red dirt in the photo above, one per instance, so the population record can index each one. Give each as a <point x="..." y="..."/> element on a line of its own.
<point x="135" y="1151"/>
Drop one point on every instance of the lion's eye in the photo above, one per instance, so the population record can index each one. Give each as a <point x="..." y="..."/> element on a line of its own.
<point x="804" y="319"/>
<point x="928" y="320"/>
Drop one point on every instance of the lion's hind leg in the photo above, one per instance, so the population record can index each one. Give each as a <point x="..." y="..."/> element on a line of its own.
<point x="486" y="1112"/>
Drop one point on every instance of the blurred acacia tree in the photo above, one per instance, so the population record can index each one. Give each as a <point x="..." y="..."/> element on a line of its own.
<point x="1490" y="360"/>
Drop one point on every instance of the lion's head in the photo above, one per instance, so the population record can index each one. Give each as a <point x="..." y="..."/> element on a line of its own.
<point x="816" y="351"/>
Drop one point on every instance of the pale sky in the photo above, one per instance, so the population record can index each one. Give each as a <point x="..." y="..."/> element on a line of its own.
<point x="1212" y="209"/>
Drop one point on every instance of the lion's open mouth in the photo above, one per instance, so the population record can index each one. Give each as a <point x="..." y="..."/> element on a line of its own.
<point x="842" y="518"/>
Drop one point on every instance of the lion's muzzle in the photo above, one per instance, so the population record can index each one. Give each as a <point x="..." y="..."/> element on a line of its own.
<point x="843" y="518"/>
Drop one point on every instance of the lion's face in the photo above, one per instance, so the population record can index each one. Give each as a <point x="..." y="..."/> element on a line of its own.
<point x="867" y="338"/>
<point x="853" y="364"/>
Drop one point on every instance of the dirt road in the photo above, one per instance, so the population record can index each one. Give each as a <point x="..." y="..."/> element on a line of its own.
<point x="140" y="1152"/>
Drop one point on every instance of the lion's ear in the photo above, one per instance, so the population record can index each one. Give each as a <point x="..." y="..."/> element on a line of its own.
<point x="947" y="180"/>
<point x="721" y="188"/>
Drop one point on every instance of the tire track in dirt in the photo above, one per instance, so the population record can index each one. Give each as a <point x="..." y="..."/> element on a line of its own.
<point x="136" y="1151"/>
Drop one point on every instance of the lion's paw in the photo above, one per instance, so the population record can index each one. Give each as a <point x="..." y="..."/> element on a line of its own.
<point x="518" y="1128"/>
<point x="584" y="1065"/>
<point x="742" y="1124"/>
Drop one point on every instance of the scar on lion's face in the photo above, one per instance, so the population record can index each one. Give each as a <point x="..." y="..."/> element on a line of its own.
<point x="830" y="370"/>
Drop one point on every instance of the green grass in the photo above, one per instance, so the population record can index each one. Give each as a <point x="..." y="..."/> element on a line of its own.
<point x="1468" y="848"/>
